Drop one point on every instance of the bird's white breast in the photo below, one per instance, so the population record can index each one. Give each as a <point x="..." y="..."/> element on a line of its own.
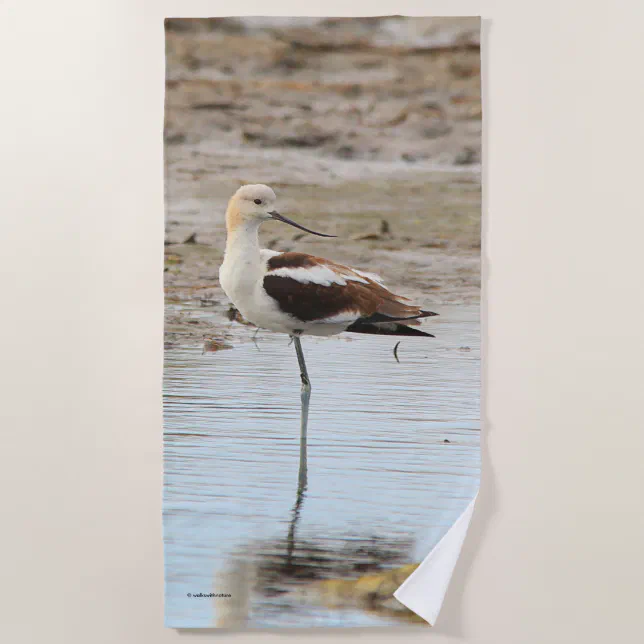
<point x="241" y="278"/>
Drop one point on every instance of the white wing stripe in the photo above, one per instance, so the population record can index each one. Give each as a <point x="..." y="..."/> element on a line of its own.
<point x="319" y="274"/>
<point x="323" y="275"/>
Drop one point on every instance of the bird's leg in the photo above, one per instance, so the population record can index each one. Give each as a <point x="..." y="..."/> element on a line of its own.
<point x="304" y="419"/>
<point x="304" y="375"/>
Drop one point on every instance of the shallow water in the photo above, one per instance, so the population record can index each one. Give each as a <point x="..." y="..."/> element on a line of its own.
<point x="383" y="485"/>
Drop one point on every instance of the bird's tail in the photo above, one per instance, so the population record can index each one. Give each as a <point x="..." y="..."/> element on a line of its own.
<point x="387" y="328"/>
<point x="383" y="324"/>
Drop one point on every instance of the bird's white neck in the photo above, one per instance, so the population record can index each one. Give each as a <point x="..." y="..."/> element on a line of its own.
<point x="244" y="234"/>
<point x="242" y="266"/>
<point x="244" y="240"/>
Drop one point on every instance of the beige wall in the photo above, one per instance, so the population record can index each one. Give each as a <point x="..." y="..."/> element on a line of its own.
<point x="555" y="550"/>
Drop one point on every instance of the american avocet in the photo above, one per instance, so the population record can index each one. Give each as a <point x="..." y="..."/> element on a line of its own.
<point x="301" y="294"/>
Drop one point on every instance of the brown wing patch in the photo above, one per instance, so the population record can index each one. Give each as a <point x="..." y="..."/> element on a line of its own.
<point x="292" y="260"/>
<point x="310" y="301"/>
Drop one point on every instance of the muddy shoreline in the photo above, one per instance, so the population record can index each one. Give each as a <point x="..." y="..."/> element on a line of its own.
<point x="371" y="133"/>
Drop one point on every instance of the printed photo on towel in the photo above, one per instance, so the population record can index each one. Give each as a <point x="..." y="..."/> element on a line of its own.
<point x="322" y="291"/>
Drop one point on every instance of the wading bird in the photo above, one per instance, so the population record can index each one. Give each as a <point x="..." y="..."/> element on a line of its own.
<point x="300" y="294"/>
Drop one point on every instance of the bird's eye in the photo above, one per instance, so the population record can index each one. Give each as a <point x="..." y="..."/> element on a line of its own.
<point x="258" y="201"/>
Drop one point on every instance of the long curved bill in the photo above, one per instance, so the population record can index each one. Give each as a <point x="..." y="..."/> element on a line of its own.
<point x="275" y="215"/>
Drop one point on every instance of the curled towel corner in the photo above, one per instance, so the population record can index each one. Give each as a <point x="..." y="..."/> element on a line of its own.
<point x="424" y="590"/>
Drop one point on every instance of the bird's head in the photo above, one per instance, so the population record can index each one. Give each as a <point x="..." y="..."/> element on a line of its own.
<point x="254" y="204"/>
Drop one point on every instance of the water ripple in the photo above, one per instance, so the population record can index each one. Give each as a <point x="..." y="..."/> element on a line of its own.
<point x="393" y="449"/>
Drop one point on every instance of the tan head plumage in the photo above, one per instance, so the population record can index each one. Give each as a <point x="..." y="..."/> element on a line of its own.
<point x="251" y="204"/>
